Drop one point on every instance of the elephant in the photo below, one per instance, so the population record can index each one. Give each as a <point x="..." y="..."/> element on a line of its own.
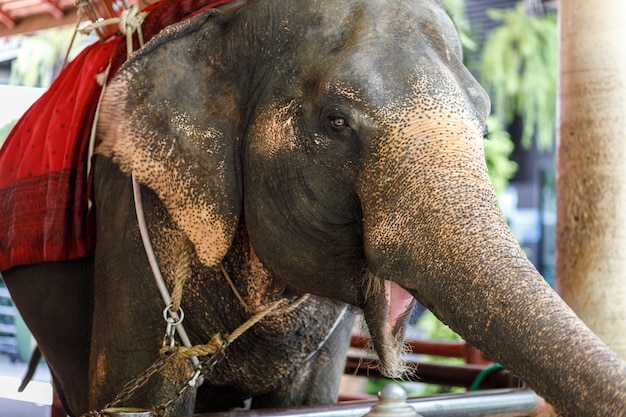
<point x="300" y="147"/>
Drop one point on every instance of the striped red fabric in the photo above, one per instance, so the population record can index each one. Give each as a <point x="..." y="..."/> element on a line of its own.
<point x="44" y="188"/>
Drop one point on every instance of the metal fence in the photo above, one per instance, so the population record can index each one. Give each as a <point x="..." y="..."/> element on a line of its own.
<point x="492" y="403"/>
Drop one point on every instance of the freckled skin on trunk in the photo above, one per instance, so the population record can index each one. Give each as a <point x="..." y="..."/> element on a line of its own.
<point x="455" y="254"/>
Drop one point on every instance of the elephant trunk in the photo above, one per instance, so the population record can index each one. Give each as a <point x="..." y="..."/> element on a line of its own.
<point x="453" y="251"/>
<point x="511" y="314"/>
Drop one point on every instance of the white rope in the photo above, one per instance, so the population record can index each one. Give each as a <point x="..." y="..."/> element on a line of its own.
<point x="154" y="265"/>
<point x="329" y="334"/>
<point x="91" y="149"/>
<point x="129" y="22"/>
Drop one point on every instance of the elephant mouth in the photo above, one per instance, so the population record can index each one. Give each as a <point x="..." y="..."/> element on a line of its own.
<point x="387" y="310"/>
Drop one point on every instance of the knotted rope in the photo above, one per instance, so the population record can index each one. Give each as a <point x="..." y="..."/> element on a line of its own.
<point x="218" y="342"/>
<point x="129" y="22"/>
<point x="286" y="309"/>
<point x="181" y="274"/>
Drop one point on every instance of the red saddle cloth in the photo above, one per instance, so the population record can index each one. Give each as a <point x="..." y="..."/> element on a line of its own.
<point x="44" y="213"/>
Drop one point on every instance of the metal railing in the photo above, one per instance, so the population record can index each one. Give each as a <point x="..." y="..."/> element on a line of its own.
<point x="359" y="363"/>
<point x="500" y="403"/>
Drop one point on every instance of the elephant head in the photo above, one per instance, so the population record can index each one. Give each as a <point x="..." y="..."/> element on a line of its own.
<point x="349" y="134"/>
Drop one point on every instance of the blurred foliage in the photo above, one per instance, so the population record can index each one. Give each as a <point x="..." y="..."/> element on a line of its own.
<point x="41" y="56"/>
<point x="519" y="70"/>
<point x="430" y="325"/>
<point x="456" y="11"/>
<point x="498" y="149"/>
<point x="436" y="330"/>
<point x="498" y="144"/>
<point x="5" y="130"/>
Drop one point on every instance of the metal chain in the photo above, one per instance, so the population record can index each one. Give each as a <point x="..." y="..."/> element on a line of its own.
<point x="173" y="319"/>
<point x="204" y="369"/>
<point x="133" y="385"/>
<point x="142" y="379"/>
<point x="190" y="383"/>
<point x="208" y="362"/>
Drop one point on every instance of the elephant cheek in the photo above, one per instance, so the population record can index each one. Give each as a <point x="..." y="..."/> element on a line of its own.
<point x="387" y="310"/>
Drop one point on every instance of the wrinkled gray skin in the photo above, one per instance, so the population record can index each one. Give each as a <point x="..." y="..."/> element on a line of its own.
<point x="349" y="136"/>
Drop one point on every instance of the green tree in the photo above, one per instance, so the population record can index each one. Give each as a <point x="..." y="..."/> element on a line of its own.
<point x="5" y="130"/>
<point x="41" y="56"/>
<point x="498" y="143"/>
<point x="519" y="68"/>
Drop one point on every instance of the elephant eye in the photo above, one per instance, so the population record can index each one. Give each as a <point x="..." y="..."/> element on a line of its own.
<point x="338" y="122"/>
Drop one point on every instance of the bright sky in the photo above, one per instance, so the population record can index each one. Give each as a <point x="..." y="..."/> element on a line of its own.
<point x="14" y="101"/>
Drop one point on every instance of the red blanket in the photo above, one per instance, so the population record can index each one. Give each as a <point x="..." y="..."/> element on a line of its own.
<point x="44" y="213"/>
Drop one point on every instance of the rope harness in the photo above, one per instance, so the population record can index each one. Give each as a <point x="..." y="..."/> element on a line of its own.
<point x="173" y="314"/>
<point x="213" y="351"/>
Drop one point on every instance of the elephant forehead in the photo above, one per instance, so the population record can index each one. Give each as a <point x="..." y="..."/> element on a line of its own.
<point x="437" y="125"/>
<point x="274" y="129"/>
<point x="434" y="100"/>
<point x="344" y="89"/>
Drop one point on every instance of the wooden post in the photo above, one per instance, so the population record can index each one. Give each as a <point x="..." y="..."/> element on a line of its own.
<point x="591" y="166"/>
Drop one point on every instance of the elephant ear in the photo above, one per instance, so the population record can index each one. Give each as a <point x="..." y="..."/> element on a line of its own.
<point x="171" y="119"/>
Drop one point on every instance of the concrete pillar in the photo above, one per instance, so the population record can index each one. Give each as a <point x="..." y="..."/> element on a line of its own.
<point x="591" y="166"/>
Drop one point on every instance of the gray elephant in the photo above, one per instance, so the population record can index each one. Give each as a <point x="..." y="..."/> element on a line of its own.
<point x="321" y="147"/>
